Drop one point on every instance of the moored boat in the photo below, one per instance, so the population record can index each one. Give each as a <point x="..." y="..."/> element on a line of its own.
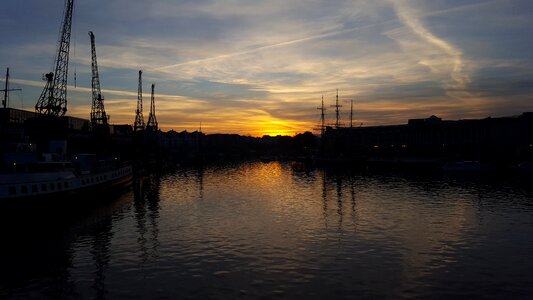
<point x="62" y="179"/>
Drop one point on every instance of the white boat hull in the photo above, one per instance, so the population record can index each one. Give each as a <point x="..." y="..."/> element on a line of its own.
<point x="43" y="185"/>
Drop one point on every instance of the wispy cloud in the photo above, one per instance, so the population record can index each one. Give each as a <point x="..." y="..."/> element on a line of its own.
<point x="411" y="19"/>
<point x="279" y="44"/>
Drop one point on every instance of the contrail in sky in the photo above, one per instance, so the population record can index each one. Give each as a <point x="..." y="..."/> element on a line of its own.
<point x="412" y="21"/>
<point x="281" y="44"/>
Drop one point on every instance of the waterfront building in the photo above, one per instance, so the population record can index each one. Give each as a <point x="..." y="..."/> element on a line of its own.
<point x="498" y="140"/>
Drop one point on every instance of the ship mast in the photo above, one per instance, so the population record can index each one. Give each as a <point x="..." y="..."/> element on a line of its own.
<point x="6" y="90"/>
<point x="322" y="118"/>
<point x="351" y="113"/>
<point x="337" y="112"/>
<point x="53" y="99"/>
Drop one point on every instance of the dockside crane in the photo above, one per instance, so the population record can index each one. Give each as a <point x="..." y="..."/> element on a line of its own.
<point x="53" y="99"/>
<point x="98" y="114"/>
<point x="351" y="113"/>
<point x="139" y="120"/>
<point x="152" y="121"/>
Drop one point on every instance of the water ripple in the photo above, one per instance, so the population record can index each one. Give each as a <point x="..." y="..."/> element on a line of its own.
<point x="264" y="230"/>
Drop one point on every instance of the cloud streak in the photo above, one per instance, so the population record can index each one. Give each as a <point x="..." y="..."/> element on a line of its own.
<point x="409" y="17"/>
<point x="275" y="45"/>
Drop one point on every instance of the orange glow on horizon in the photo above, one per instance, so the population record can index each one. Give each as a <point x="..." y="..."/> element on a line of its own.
<point x="274" y="128"/>
<point x="258" y="121"/>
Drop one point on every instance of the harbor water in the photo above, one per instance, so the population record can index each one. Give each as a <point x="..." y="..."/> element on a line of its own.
<point x="279" y="231"/>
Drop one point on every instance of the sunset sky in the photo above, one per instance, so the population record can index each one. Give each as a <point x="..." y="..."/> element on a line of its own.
<point x="261" y="67"/>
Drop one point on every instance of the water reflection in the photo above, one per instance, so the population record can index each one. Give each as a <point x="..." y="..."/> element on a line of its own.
<point x="39" y="258"/>
<point x="263" y="230"/>
<point x="101" y="236"/>
<point x="200" y="179"/>
<point x="146" y="209"/>
<point x="352" y="197"/>
<point x="339" y="184"/>
<point x="325" y="199"/>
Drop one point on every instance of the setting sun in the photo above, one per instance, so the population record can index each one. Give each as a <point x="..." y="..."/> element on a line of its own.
<point x="275" y="128"/>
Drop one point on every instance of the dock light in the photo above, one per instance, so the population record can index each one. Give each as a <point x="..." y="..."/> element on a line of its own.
<point x="531" y="145"/>
<point x="376" y="146"/>
<point x="404" y="146"/>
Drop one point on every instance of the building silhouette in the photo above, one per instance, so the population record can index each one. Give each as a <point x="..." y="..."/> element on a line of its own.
<point x="497" y="140"/>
